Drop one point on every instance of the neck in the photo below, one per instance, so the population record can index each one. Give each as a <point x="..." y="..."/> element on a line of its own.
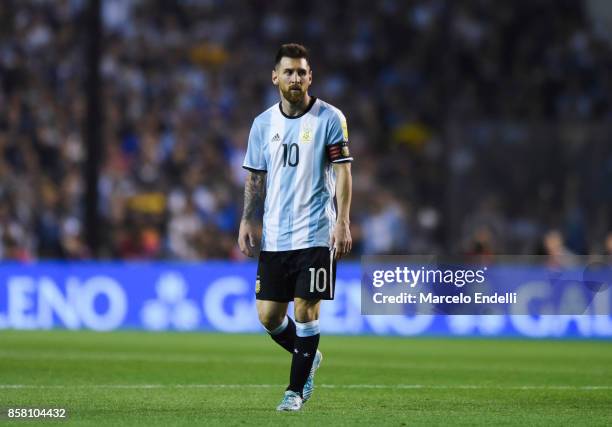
<point x="296" y="109"/>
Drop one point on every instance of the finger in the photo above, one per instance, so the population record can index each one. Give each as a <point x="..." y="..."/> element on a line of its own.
<point x="244" y="247"/>
<point x="339" y="251"/>
<point x="251" y="240"/>
<point x="249" y="245"/>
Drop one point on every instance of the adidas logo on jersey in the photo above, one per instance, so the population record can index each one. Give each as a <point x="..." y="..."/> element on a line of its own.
<point x="276" y="138"/>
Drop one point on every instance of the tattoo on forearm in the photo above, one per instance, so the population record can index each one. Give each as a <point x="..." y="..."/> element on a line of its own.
<point x="254" y="194"/>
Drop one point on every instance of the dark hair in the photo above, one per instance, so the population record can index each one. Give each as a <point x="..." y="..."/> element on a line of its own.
<point x="291" y="50"/>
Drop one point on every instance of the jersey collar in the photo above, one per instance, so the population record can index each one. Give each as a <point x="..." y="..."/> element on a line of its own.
<point x="313" y="99"/>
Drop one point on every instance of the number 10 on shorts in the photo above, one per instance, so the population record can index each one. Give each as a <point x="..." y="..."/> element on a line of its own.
<point x="318" y="279"/>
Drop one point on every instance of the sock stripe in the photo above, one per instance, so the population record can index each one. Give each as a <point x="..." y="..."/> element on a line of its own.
<point x="307" y="329"/>
<point x="280" y="328"/>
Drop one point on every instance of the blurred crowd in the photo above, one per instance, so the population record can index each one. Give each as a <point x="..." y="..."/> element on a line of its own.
<point x="479" y="127"/>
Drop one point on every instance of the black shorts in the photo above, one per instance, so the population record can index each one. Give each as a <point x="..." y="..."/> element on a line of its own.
<point x="303" y="273"/>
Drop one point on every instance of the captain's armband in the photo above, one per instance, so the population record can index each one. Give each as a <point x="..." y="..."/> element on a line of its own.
<point x="339" y="152"/>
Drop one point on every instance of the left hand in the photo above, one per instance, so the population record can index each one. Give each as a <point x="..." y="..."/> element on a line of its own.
<point x="341" y="239"/>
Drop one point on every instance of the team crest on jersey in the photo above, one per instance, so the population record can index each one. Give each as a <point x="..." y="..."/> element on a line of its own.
<point x="257" y="286"/>
<point x="306" y="135"/>
<point x="345" y="151"/>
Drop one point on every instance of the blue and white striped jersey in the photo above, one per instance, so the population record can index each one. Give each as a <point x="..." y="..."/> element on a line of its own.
<point x="297" y="152"/>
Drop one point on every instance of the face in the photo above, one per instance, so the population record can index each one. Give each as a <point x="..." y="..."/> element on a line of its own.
<point x="293" y="77"/>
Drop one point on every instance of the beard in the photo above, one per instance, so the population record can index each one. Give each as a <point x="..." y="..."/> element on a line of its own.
<point x="293" y="96"/>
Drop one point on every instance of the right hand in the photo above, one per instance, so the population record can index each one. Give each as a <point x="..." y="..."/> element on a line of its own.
<point x="246" y="238"/>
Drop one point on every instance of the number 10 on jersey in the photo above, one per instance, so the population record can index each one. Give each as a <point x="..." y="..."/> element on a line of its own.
<point x="291" y="154"/>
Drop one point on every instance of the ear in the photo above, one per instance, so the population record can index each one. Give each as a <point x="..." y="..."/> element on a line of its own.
<point x="310" y="76"/>
<point x="274" y="77"/>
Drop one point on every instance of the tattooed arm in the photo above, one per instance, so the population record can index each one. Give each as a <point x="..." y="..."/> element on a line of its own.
<point x="254" y="195"/>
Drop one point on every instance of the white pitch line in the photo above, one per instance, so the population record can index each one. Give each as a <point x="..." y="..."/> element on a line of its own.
<point x="330" y="386"/>
<point x="118" y="356"/>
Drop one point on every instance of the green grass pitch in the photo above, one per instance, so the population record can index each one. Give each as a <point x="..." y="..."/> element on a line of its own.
<point x="164" y="379"/>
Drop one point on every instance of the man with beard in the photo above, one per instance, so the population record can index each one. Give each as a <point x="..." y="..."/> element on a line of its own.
<point x="298" y="160"/>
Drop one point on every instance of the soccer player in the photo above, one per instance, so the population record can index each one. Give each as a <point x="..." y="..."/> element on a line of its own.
<point x="298" y="159"/>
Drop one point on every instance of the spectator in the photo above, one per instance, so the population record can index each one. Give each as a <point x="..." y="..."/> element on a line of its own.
<point x="446" y="101"/>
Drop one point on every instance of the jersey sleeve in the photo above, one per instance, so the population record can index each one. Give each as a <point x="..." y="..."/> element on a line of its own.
<point x="337" y="139"/>
<point x="254" y="159"/>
